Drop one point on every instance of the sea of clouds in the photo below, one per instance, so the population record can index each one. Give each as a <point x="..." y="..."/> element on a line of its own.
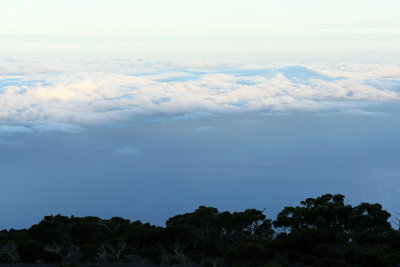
<point x="67" y="94"/>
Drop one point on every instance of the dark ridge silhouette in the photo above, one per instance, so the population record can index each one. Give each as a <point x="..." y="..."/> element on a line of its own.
<point x="322" y="231"/>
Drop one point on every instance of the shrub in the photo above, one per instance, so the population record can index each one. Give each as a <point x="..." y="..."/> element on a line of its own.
<point x="152" y="254"/>
<point x="207" y="263"/>
<point x="51" y="257"/>
<point x="89" y="251"/>
<point x="5" y="258"/>
<point x="173" y="260"/>
<point x="374" y="259"/>
<point x="30" y="251"/>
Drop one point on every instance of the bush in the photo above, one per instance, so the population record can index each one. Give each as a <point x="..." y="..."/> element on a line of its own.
<point x="196" y="258"/>
<point x="294" y="255"/>
<point x="30" y="251"/>
<point x="329" y="263"/>
<point x="8" y="253"/>
<point x="152" y="254"/>
<point x="51" y="257"/>
<point x="207" y="263"/>
<point x="308" y="259"/>
<point x="374" y="259"/>
<point x="325" y="251"/>
<point x="173" y="260"/>
<point x="89" y="251"/>
<point x="5" y="258"/>
<point x="68" y="265"/>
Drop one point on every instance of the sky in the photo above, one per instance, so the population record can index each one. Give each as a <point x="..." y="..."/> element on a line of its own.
<point x="256" y="30"/>
<point x="148" y="109"/>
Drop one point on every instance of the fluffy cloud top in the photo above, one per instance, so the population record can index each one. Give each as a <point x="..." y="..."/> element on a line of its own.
<point x="52" y="93"/>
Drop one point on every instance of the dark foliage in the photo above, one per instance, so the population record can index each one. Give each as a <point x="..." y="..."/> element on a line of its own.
<point x="322" y="231"/>
<point x="30" y="251"/>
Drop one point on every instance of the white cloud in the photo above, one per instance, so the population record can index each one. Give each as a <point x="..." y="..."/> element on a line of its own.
<point x="66" y="95"/>
<point x="355" y="112"/>
<point x="361" y="71"/>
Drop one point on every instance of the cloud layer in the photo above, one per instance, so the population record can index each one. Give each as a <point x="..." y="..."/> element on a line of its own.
<point x="66" y="94"/>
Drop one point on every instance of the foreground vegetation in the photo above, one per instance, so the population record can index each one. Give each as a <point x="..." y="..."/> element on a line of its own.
<point x="319" y="232"/>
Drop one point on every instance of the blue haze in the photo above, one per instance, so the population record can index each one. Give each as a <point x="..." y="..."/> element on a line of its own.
<point x="231" y="162"/>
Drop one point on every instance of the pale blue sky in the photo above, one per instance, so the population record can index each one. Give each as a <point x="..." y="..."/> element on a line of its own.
<point x="246" y="30"/>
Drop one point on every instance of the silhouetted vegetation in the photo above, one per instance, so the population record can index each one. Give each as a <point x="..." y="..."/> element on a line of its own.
<point x="322" y="231"/>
